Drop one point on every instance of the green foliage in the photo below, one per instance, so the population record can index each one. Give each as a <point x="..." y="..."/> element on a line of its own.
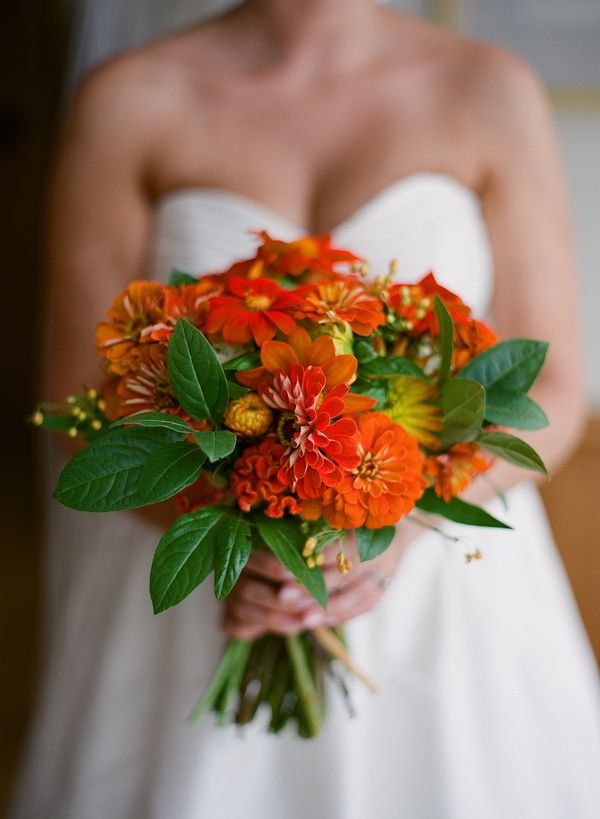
<point x="169" y="470"/>
<point x="178" y="278"/>
<point x="390" y="366"/>
<point x="105" y="476"/>
<point x="245" y="361"/>
<point x="372" y="542"/>
<point x="196" y="375"/>
<point x="513" y="409"/>
<point x="363" y="351"/>
<point x="511" y="365"/>
<point x="286" y="541"/>
<point x="212" y="538"/>
<point x="445" y="338"/>
<point x="155" y="419"/>
<point x="216" y="445"/>
<point x="458" y="511"/>
<point x="463" y="406"/>
<point x="512" y="449"/>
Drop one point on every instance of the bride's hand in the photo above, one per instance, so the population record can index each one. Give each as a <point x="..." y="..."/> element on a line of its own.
<point x="266" y="597"/>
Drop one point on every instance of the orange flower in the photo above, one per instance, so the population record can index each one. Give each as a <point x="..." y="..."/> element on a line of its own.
<point x="451" y="472"/>
<point x="252" y="309"/>
<point x="471" y="338"/>
<point x="310" y="256"/>
<point x="190" y="301"/>
<point x="280" y="356"/>
<point x="414" y="304"/>
<point x="343" y="300"/>
<point x="147" y="387"/>
<point x="255" y="479"/>
<point x="386" y="482"/>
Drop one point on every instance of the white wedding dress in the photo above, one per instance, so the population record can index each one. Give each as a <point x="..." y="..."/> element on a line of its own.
<point x="487" y="704"/>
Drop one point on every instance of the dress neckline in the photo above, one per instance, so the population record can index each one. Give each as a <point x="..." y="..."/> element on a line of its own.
<point x="402" y="185"/>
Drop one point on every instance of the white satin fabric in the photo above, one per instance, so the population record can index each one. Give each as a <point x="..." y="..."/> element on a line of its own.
<point x="487" y="705"/>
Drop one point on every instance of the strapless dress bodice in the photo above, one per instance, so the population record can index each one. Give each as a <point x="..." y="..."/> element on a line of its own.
<point x="426" y="221"/>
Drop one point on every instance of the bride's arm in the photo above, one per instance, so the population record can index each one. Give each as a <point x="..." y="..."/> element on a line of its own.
<point x="525" y="207"/>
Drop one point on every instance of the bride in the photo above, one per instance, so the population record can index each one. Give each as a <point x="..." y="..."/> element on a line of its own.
<point x="404" y="141"/>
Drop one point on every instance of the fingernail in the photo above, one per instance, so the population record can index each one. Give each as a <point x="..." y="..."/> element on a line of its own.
<point x="289" y="594"/>
<point x="313" y="619"/>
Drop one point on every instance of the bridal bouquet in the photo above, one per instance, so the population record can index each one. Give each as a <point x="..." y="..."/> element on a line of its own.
<point x="281" y="404"/>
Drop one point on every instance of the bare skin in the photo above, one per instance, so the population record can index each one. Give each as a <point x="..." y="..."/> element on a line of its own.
<point x="332" y="100"/>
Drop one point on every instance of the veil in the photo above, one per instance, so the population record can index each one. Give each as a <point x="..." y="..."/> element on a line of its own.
<point x="103" y="28"/>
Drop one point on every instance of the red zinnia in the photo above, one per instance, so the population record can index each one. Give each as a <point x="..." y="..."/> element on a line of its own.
<point x="255" y="308"/>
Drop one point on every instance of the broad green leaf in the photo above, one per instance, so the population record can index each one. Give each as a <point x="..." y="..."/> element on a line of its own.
<point x="512" y="449"/>
<point x="195" y="374"/>
<point x="216" y="445"/>
<point x="185" y="555"/>
<point x="374" y="389"/>
<point x="458" y="511"/>
<point x="511" y="365"/>
<point x="513" y="409"/>
<point x="286" y="541"/>
<point x="232" y="550"/>
<point x="105" y="476"/>
<point x="446" y="337"/>
<point x="372" y="542"/>
<point x="363" y="351"/>
<point x="390" y="366"/>
<point x="155" y="419"/>
<point x="170" y="470"/>
<point x="463" y="406"/>
<point x="178" y="277"/>
<point x="245" y="361"/>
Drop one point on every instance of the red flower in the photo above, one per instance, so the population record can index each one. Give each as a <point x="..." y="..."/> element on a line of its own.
<point x="311" y="256"/>
<point x="319" y="447"/>
<point x="190" y="301"/>
<point x="414" y="303"/>
<point x="471" y="338"/>
<point x="255" y="309"/>
<point x="147" y="387"/>
<point x="254" y="479"/>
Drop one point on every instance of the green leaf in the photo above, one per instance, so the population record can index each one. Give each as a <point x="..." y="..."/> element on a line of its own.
<point x="178" y="277"/>
<point x="155" y="419"/>
<point x="185" y="555"/>
<point x="286" y="541"/>
<point x="245" y="361"/>
<point x="374" y="389"/>
<point x="216" y="445"/>
<point x="232" y="550"/>
<point x="512" y="449"/>
<point x="196" y="374"/>
<point x="511" y="365"/>
<point x="446" y="337"/>
<point x="363" y="351"/>
<point x="458" y="511"/>
<point x="390" y="366"/>
<point x="372" y="542"/>
<point x="463" y="406"/>
<point x="513" y="409"/>
<point x="169" y="470"/>
<point x="105" y="476"/>
<point x="236" y="390"/>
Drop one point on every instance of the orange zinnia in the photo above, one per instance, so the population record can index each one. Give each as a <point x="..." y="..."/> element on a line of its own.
<point x="280" y="356"/>
<point x="471" y="338"/>
<point x="255" y="479"/>
<point x="140" y="307"/>
<point x="451" y="472"/>
<point x="190" y="301"/>
<point x="343" y="300"/>
<point x="255" y="308"/>
<point x="384" y="485"/>
<point x="147" y="387"/>
<point x="311" y="255"/>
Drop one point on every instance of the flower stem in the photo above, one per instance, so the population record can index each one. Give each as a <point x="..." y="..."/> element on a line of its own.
<point x="307" y="693"/>
<point x="220" y="678"/>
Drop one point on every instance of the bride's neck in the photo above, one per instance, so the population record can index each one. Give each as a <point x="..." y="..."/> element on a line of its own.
<point x="301" y="31"/>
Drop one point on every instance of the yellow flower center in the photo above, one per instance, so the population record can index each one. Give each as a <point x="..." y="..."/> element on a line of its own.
<point x="257" y="302"/>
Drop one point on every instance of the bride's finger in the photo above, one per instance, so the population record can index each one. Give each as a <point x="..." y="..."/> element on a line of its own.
<point x="264" y="564"/>
<point x="268" y="619"/>
<point x="290" y="597"/>
<point x="353" y="600"/>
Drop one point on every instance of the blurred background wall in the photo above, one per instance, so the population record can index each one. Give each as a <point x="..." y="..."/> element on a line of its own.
<point x="46" y="46"/>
